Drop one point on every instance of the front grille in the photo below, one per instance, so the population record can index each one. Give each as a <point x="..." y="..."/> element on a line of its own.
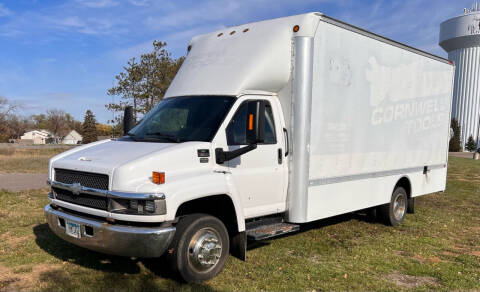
<point x="86" y="200"/>
<point x="86" y="179"/>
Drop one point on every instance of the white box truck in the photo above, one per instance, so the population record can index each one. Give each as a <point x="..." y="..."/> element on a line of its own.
<point x="266" y="126"/>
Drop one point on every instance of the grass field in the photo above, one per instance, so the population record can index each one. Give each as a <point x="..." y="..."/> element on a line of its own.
<point x="25" y="160"/>
<point x="437" y="248"/>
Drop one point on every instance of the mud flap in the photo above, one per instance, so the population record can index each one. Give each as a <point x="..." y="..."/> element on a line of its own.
<point x="238" y="246"/>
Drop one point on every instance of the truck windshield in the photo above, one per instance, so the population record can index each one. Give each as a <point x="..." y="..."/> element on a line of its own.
<point x="181" y="119"/>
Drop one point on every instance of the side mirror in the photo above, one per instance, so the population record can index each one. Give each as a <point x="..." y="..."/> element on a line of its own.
<point x="128" y="120"/>
<point x="255" y="127"/>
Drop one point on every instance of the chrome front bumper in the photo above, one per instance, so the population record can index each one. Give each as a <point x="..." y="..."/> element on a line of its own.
<point x="146" y="242"/>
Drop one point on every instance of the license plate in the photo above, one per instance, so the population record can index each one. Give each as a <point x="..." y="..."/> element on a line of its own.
<point x="72" y="229"/>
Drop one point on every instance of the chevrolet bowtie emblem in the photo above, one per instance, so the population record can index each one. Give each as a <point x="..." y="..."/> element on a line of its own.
<point x="76" y="188"/>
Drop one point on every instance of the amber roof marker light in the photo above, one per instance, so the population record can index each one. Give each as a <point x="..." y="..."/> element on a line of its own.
<point x="232" y="32"/>
<point x="245" y="30"/>
<point x="220" y="34"/>
<point x="296" y="28"/>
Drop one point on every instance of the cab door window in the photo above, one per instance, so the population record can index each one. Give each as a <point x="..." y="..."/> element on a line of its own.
<point x="236" y="127"/>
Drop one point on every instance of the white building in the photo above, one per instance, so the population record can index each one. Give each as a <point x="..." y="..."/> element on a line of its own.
<point x="37" y="136"/>
<point x="72" y="138"/>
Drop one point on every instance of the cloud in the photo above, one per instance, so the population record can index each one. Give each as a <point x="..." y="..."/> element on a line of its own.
<point x="53" y="23"/>
<point x="139" y="2"/>
<point x="72" y="21"/>
<point x="97" y="3"/>
<point x="4" y="11"/>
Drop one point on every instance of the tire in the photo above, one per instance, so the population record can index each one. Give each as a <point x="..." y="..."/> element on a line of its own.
<point x="411" y="206"/>
<point x="394" y="213"/>
<point x="194" y="234"/>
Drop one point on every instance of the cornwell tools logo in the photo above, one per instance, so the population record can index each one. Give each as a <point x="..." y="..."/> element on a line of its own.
<point x="76" y="189"/>
<point x="416" y="99"/>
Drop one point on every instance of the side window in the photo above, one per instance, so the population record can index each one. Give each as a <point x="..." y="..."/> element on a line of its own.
<point x="236" y="127"/>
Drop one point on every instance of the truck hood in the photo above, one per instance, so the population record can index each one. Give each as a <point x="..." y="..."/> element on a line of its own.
<point x="105" y="157"/>
<point x="130" y="164"/>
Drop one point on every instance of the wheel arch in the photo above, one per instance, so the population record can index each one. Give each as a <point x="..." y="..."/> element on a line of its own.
<point x="221" y="206"/>
<point x="405" y="183"/>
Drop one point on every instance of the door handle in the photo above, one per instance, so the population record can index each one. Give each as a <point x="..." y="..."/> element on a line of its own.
<point x="287" y="146"/>
<point x="280" y="156"/>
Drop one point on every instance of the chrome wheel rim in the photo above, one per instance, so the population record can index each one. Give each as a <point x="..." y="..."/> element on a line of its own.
<point x="399" y="207"/>
<point x="205" y="249"/>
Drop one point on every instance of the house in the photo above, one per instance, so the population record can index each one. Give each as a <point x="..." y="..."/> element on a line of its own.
<point x="37" y="136"/>
<point x="72" y="138"/>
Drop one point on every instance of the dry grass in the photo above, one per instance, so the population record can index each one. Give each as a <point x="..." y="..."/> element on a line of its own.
<point x="437" y="248"/>
<point x="25" y="160"/>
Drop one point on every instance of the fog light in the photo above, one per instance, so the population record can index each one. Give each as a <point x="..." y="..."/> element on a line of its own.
<point x="150" y="206"/>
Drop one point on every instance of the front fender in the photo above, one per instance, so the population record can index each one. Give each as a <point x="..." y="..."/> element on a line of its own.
<point x="202" y="186"/>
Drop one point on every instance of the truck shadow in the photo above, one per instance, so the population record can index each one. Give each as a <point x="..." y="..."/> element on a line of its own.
<point x="67" y="252"/>
<point x="363" y="216"/>
<point x="115" y="269"/>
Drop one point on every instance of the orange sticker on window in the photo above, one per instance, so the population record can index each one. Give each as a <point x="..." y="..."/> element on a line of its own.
<point x="250" y="122"/>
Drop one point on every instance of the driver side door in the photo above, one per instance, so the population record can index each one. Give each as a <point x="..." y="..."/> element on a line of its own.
<point x="259" y="175"/>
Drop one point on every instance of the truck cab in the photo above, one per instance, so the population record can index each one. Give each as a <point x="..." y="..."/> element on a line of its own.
<point x="126" y="196"/>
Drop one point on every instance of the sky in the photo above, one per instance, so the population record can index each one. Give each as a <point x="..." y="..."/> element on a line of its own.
<point x="65" y="54"/>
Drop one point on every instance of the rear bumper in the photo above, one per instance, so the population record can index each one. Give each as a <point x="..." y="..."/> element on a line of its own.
<point x="107" y="238"/>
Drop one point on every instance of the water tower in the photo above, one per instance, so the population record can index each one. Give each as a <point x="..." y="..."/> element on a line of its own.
<point x="460" y="37"/>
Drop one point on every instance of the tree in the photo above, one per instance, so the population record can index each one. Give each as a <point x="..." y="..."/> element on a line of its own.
<point x="74" y="124"/>
<point x="471" y="145"/>
<point x="455" y="144"/>
<point x="104" y="130"/>
<point x="143" y="84"/>
<point x="7" y="117"/>
<point x="89" y="128"/>
<point x="39" y="121"/>
<point x="57" y="124"/>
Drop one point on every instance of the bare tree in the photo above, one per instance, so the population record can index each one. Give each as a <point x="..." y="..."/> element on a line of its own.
<point x="6" y="114"/>
<point x="57" y="124"/>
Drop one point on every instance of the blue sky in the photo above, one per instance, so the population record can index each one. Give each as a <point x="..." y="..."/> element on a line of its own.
<point x="65" y="54"/>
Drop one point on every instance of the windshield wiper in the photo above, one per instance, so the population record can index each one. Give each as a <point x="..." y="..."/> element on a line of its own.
<point x="166" y="136"/>
<point x="133" y="136"/>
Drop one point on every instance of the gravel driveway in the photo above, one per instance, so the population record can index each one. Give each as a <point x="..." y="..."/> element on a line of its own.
<point x="22" y="181"/>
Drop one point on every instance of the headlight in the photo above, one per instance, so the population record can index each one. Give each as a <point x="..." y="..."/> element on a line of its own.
<point x="137" y="207"/>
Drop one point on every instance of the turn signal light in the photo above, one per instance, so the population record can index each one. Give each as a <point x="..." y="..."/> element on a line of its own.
<point x="158" y="177"/>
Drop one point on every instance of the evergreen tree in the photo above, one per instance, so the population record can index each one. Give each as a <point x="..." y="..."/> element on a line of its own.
<point x="144" y="82"/>
<point x="471" y="144"/>
<point x="89" y="128"/>
<point x="455" y="144"/>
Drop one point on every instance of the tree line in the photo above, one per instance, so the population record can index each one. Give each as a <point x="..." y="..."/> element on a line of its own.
<point x="58" y="122"/>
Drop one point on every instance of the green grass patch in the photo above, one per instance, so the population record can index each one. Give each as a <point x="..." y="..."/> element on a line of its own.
<point x="437" y="248"/>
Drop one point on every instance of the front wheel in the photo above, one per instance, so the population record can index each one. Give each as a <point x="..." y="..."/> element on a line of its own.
<point x="199" y="248"/>
<point x="394" y="213"/>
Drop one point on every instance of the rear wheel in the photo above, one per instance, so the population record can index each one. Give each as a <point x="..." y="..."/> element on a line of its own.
<point x="200" y="247"/>
<point x="394" y="213"/>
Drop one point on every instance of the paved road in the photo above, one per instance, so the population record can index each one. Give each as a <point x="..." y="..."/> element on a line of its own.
<point x="22" y="181"/>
